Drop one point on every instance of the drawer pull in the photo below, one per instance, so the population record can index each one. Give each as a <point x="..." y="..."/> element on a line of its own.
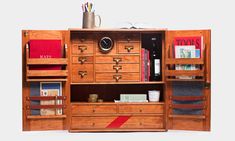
<point x="82" y="59"/>
<point x="93" y="110"/>
<point x="140" y="110"/>
<point x="141" y="124"/>
<point x="129" y="48"/>
<point x="93" y="124"/>
<point x="117" y="60"/>
<point x="82" y="48"/>
<point x="117" y="77"/>
<point x="117" y="68"/>
<point x="82" y="73"/>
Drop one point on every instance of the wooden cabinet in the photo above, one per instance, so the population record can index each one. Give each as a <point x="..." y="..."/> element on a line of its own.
<point x="184" y="104"/>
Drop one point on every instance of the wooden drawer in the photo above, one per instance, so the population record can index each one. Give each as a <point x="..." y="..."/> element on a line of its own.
<point x="117" y="77"/>
<point x="118" y="59"/>
<point x="128" y="37"/>
<point x="111" y="122"/>
<point x="82" y="73"/>
<point x="90" y="122"/>
<point x="82" y="59"/>
<point x="146" y="122"/>
<point x="128" y="47"/>
<point x="188" y="124"/>
<point x="117" y="67"/>
<point x="153" y="109"/>
<point x="83" y="48"/>
<point x="94" y="109"/>
<point x="81" y="38"/>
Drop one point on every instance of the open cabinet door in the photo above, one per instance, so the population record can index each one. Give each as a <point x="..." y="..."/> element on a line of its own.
<point x="188" y="79"/>
<point x="47" y="68"/>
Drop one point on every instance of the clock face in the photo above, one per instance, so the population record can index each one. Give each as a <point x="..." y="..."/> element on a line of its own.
<point x="105" y="44"/>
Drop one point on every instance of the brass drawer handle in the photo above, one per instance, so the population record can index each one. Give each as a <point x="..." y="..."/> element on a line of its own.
<point x="117" y="68"/>
<point x="129" y="48"/>
<point x="117" y="60"/>
<point x="82" y="48"/>
<point x="82" y="59"/>
<point x="82" y="73"/>
<point x="117" y="77"/>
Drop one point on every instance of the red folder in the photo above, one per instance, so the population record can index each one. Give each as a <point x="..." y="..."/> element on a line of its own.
<point x="45" y="49"/>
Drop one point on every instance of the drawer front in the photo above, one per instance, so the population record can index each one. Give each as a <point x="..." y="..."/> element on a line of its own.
<point x="118" y="122"/>
<point x="82" y="38"/>
<point x="128" y="47"/>
<point x="90" y="122"/>
<point x="93" y="109"/>
<point x="82" y="59"/>
<point x="141" y="109"/>
<point x="118" y="59"/>
<point x="117" y="77"/>
<point x="128" y="37"/>
<point x="117" y="68"/>
<point x="82" y="73"/>
<point x="144" y="121"/>
<point x="80" y="49"/>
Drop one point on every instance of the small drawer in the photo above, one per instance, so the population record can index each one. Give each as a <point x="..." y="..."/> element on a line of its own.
<point x="82" y="59"/>
<point x="93" y="109"/>
<point x="80" y="49"/>
<point x="81" y="38"/>
<point x="82" y="73"/>
<point x="128" y="47"/>
<point x="146" y="122"/>
<point x="90" y="122"/>
<point x="117" y="77"/>
<point x="138" y="109"/>
<point x="118" y="59"/>
<point x="128" y="37"/>
<point x="117" y="68"/>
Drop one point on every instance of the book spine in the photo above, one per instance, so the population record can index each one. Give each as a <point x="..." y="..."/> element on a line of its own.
<point x="148" y="58"/>
<point x="142" y="64"/>
<point x="146" y="65"/>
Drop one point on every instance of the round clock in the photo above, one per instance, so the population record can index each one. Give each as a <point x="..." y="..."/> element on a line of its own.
<point x="105" y="44"/>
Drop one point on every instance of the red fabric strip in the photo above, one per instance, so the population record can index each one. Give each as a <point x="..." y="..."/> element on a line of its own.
<point x="118" y="122"/>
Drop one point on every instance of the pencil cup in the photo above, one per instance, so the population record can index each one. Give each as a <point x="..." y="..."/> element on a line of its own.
<point x="154" y="95"/>
<point x="89" y="20"/>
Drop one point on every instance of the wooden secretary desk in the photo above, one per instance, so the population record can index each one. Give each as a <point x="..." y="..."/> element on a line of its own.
<point x="87" y="68"/>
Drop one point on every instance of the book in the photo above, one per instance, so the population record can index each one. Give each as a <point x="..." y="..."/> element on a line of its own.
<point x="51" y="89"/>
<point x="142" y="64"/>
<point x="145" y="65"/>
<point x="197" y="41"/>
<point x="133" y="97"/>
<point x="45" y="49"/>
<point x="185" y="51"/>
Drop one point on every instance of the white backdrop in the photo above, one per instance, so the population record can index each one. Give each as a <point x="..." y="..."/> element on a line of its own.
<point x="181" y="14"/>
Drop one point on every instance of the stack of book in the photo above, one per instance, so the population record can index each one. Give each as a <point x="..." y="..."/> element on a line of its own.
<point x="145" y="65"/>
<point x="132" y="98"/>
<point x="188" y="47"/>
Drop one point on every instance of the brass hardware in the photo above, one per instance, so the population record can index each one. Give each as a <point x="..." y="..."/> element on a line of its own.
<point x="140" y="110"/>
<point x="82" y="59"/>
<point x="82" y="73"/>
<point x="117" y="77"/>
<point x="129" y="48"/>
<point x="93" y="110"/>
<point x="26" y="33"/>
<point x="140" y="123"/>
<point x="207" y="85"/>
<point x="117" y="68"/>
<point x="117" y="60"/>
<point x="82" y="39"/>
<point x="82" y="48"/>
<point x="93" y="124"/>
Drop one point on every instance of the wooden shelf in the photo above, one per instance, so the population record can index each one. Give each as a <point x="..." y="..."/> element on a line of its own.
<point x="184" y="61"/>
<point x="107" y="103"/>
<point x="177" y="79"/>
<point x="45" y="80"/>
<point x="47" y="61"/>
<point x="106" y="83"/>
<point x="188" y="116"/>
<point x="47" y="73"/>
<point x="46" y="117"/>
<point x="184" y="73"/>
